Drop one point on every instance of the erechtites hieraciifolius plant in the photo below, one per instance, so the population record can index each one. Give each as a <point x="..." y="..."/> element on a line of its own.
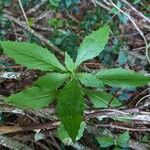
<point x="65" y="83"/>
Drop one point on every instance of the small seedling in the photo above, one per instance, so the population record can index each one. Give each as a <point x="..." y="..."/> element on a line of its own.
<point x="65" y="83"/>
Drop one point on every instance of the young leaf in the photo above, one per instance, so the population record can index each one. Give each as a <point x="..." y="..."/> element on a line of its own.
<point x="32" y="56"/>
<point x="33" y="97"/>
<point x="105" y="141"/>
<point x="90" y="80"/>
<point x="70" y="108"/>
<point x="40" y="95"/>
<point x="92" y="45"/>
<point x="69" y="62"/>
<point x="101" y="99"/>
<point x="122" y="78"/>
<point x="122" y="139"/>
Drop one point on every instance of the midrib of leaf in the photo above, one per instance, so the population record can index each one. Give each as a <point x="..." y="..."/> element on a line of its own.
<point x="94" y="40"/>
<point x="88" y="50"/>
<point x="72" y="105"/>
<point x="36" y="58"/>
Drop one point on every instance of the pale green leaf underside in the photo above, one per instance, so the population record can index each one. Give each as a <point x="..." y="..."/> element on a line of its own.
<point x="89" y="80"/>
<point x="122" y="78"/>
<point x="92" y="45"/>
<point x="64" y="136"/>
<point x="70" y="108"/>
<point x="69" y="62"/>
<point x="40" y="95"/>
<point x="32" y="56"/>
<point x="101" y="99"/>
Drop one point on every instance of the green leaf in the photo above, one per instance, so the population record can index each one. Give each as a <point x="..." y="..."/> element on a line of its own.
<point x="92" y="45"/>
<point x="54" y="3"/>
<point x="64" y="136"/>
<point x="101" y="99"/>
<point x="122" y="78"/>
<point x="105" y="141"/>
<point x="89" y="80"/>
<point x="33" y="97"/>
<point x="41" y="94"/>
<point x="54" y="22"/>
<point x="123" y="139"/>
<point x="70" y="108"/>
<point x="69" y="62"/>
<point x="51" y="81"/>
<point x="32" y="56"/>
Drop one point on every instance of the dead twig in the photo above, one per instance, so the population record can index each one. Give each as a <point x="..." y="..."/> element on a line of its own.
<point x="36" y="7"/>
<point x="133" y="114"/>
<point x="146" y="96"/>
<point x="46" y="14"/>
<point x="24" y="14"/>
<point x="123" y="128"/>
<point x="100" y="4"/>
<point x="134" y="9"/>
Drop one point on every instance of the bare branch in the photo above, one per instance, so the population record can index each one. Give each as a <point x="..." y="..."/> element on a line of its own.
<point x="123" y="128"/>
<point x="36" y="7"/>
<point x="134" y="9"/>
<point x="24" y="14"/>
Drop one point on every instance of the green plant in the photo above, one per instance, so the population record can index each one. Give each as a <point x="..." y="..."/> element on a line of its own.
<point x="56" y="23"/>
<point x="66" y="83"/>
<point x="123" y="19"/>
<point x="54" y="3"/>
<point x="121" y="141"/>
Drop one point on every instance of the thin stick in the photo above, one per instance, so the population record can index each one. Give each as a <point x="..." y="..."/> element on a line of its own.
<point x="24" y="14"/>
<point x="133" y="8"/>
<point x="100" y="4"/>
<point x="146" y="96"/>
<point x="4" y="67"/>
<point x="141" y="93"/>
<point x="123" y="128"/>
<point x="36" y="7"/>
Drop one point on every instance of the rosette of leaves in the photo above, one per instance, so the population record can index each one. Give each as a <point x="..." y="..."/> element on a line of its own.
<point x="65" y="83"/>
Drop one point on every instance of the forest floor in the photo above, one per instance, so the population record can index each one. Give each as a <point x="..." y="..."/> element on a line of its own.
<point x="60" y="26"/>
